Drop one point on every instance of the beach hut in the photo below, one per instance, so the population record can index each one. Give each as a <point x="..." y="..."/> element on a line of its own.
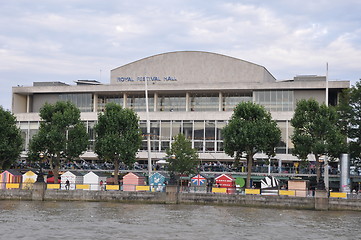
<point x="226" y="181"/>
<point x="73" y="178"/>
<point x="10" y="176"/>
<point x="29" y="178"/>
<point x="198" y="183"/>
<point x="96" y="180"/>
<point x="157" y="181"/>
<point x="131" y="180"/>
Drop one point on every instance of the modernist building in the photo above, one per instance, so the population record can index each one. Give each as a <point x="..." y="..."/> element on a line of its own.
<point x="189" y="92"/>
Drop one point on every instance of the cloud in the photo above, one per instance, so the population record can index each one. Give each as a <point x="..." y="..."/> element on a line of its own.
<point x="73" y="39"/>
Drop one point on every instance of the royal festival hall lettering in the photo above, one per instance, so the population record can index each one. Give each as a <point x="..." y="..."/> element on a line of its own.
<point x="151" y="79"/>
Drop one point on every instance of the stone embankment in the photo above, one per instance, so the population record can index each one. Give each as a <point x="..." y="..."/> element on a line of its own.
<point x="172" y="196"/>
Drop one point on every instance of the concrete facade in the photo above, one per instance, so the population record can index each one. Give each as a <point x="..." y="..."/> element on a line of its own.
<point x="204" y="87"/>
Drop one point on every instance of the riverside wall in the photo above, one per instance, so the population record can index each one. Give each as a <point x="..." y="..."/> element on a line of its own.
<point x="173" y="197"/>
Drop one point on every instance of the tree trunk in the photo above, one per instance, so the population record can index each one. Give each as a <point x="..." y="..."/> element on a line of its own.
<point x="318" y="169"/>
<point x="249" y="170"/>
<point x="116" y="172"/>
<point x="56" y="173"/>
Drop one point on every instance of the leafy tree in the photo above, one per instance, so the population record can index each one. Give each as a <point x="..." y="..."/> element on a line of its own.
<point x="10" y="139"/>
<point x="350" y="111"/>
<point x="316" y="131"/>
<point x="61" y="135"/>
<point x="181" y="156"/>
<point x="250" y="130"/>
<point x="118" y="136"/>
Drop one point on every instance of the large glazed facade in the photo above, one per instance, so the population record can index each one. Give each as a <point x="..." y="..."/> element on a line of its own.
<point x="192" y="93"/>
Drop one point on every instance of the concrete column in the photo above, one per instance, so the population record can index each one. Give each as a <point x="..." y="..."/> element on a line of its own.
<point x="279" y="165"/>
<point x="95" y="102"/>
<point x="172" y="192"/>
<point x="125" y="96"/>
<point x="155" y="101"/>
<point x="28" y="104"/>
<point x="321" y="200"/>
<point x="220" y="101"/>
<point x="38" y="191"/>
<point x="187" y="102"/>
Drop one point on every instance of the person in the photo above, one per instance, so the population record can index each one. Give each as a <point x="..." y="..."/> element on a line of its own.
<point x="67" y="184"/>
<point x="101" y="185"/>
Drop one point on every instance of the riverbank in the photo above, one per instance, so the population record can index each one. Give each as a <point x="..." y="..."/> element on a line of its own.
<point x="319" y="202"/>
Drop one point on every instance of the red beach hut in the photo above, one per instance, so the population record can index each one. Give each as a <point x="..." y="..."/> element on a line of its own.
<point x="131" y="180"/>
<point x="226" y="181"/>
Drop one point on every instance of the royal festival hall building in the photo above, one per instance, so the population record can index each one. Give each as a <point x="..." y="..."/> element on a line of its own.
<point x="189" y="92"/>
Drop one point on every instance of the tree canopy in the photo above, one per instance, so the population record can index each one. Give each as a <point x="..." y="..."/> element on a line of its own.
<point x="250" y="130"/>
<point x="316" y="131"/>
<point x="10" y="139"/>
<point x="350" y="111"/>
<point x="118" y="136"/>
<point x="61" y="135"/>
<point x="182" y="158"/>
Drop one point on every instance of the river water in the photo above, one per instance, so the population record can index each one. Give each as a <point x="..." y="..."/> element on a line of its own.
<point x="107" y="220"/>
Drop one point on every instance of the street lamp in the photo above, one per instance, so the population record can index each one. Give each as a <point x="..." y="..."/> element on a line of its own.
<point x="40" y="177"/>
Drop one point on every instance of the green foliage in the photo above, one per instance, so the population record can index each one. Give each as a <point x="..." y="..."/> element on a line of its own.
<point x="250" y="130"/>
<point x="181" y="156"/>
<point x="316" y="131"/>
<point x="118" y="136"/>
<point x="61" y="134"/>
<point x="350" y="111"/>
<point x="10" y="139"/>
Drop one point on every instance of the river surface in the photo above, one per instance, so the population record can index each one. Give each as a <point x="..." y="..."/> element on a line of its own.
<point x="106" y="220"/>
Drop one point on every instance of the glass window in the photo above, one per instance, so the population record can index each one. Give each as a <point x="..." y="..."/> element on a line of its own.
<point x="171" y="103"/>
<point x="188" y="129"/>
<point x="220" y="126"/>
<point x="83" y="101"/>
<point x="231" y="100"/>
<point x="275" y="100"/>
<point x="176" y="128"/>
<point x="137" y="103"/>
<point x="210" y="130"/>
<point x="165" y="130"/>
<point x="198" y="130"/>
<point x="204" y="102"/>
<point x="104" y="99"/>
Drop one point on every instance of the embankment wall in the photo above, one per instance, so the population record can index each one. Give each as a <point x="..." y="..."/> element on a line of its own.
<point x="183" y="198"/>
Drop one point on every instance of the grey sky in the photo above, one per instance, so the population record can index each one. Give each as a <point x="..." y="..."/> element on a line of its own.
<point x="49" y="40"/>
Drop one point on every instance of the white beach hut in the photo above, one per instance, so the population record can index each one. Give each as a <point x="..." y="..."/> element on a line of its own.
<point x="96" y="180"/>
<point x="73" y="177"/>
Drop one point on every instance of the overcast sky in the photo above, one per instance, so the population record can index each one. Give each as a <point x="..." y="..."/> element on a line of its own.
<point x="51" y="40"/>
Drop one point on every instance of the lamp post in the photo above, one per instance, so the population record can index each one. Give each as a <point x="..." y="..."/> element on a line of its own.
<point x="148" y="127"/>
<point x="40" y="177"/>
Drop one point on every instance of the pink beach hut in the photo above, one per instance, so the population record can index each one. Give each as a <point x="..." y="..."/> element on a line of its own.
<point x="131" y="180"/>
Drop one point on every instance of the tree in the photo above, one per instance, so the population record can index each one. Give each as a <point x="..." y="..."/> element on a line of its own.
<point x="182" y="158"/>
<point x="10" y="139"/>
<point x="316" y="131"/>
<point x="350" y="110"/>
<point x="118" y="136"/>
<point x="61" y="135"/>
<point x="250" y="130"/>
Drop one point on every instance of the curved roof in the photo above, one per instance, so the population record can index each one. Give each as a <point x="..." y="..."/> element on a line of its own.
<point x="191" y="67"/>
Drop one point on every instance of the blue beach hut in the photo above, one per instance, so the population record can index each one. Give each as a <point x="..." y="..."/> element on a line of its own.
<point x="157" y="181"/>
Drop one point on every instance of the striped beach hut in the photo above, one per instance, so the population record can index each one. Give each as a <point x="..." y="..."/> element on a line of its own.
<point x="10" y="176"/>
